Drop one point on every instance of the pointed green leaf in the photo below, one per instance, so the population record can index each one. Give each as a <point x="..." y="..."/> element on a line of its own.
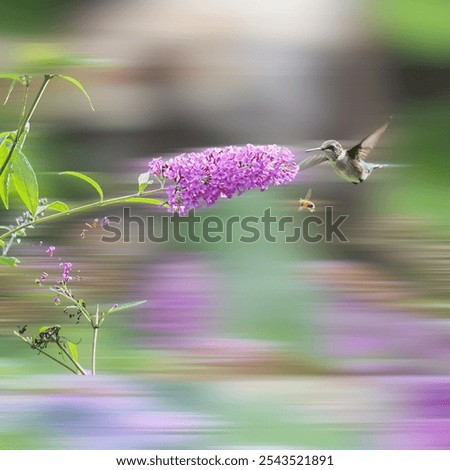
<point x="10" y="89"/>
<point x="125" y="306"/>
<point x="2" y="243"/>
<point x="44" y="57"/>
<point x="73" y="348"/>
<point x="24" y="179"/>
<point x="8" y="261"/>
<point x="11" y="76"/>
<point x="143" y="181"/>
<point x="75" y="82"/>
<point x="57" y="206"/>
<point x="5" y="177"/>
<point x="44" y="328"/>
<point x="87" y="179"/>
<point x="144" y="200"/>
<point x="10" y="134"/>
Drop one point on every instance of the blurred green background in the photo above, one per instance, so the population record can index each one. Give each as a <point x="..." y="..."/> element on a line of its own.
<point x="341" y="345"/>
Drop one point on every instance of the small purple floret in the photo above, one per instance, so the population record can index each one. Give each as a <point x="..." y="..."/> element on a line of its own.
<point x="51" y="250"/>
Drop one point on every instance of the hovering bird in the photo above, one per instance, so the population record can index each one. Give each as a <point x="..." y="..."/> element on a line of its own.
<point x="305" y="203"/>
<point x="349" y="164"/>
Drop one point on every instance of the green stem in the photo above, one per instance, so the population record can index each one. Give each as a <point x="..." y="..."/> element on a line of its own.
<point x="95" y="326"/>
<point x="41" y="351"/>
<point x="23" y="122"/>
<point x="75" y="363"/>
<point x="47" y="78"/>
<point x="68" y="295"/>
<point x="75" y="210"/>
<point x="24" y="105"/>
<point x="8" y="245"/>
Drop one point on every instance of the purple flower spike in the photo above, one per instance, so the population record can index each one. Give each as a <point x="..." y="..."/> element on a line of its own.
<point x="201" y="178"/>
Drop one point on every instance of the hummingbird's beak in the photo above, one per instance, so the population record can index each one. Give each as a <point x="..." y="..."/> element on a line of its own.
<point x="314" y="149"/>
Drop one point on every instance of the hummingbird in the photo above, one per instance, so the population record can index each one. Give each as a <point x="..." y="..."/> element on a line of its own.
<point x="349" y="164"/>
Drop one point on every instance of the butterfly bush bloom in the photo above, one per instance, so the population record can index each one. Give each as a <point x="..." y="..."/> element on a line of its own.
<point x="201" y="178"/>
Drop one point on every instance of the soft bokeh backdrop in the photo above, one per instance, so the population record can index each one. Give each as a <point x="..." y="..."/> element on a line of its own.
<point x="331" y="345"/>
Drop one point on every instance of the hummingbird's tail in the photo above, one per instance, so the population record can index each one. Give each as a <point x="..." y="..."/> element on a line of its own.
<point x="376" y="166"/>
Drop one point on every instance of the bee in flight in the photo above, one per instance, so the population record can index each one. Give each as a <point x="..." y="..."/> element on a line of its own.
<point x="305" y="203"/>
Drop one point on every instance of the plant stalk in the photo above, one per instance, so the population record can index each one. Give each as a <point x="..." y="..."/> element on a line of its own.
<point x="75" y="363"/>
<point x="95" y="326"/>
<point x="24" y="105"/>
<point x="75" y="210"/>
<point x="41" y="351"/>
<point x="23" y="122"/>
<point x="68" y="295"/>
<point x="8" y="245"/>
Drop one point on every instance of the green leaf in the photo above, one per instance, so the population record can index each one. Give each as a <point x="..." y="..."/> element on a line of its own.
<point x="44" y="328"/>
<point x="57" y="206"/>
<point x="143" y="181"/>
<point x="87" y="179"/>
<point x="11" y="76"/>
<point x="2" y="243"/>
<point x="24" y="179"/>
<point x="73" y="349"/>
<point x="45" y="57"/>
<point x="5" y="177"/>
<point x="8" y="261"/>
<point x="144" y="200"/>
<point x="10" y="134"/>
<point x="126" y="306"/>
<point x="10" y="89"/>
<point x="75" y="82"/>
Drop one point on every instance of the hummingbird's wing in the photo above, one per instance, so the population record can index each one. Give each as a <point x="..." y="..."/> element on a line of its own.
<point x="308" y="194"/>
<point x="313" y="161"/>
<point x="362" y="150"/>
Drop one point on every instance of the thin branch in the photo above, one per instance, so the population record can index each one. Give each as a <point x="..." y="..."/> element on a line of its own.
<point x="85" y="207"/>
<point x="41" y="351"/>
<point x="75" y="362"/>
